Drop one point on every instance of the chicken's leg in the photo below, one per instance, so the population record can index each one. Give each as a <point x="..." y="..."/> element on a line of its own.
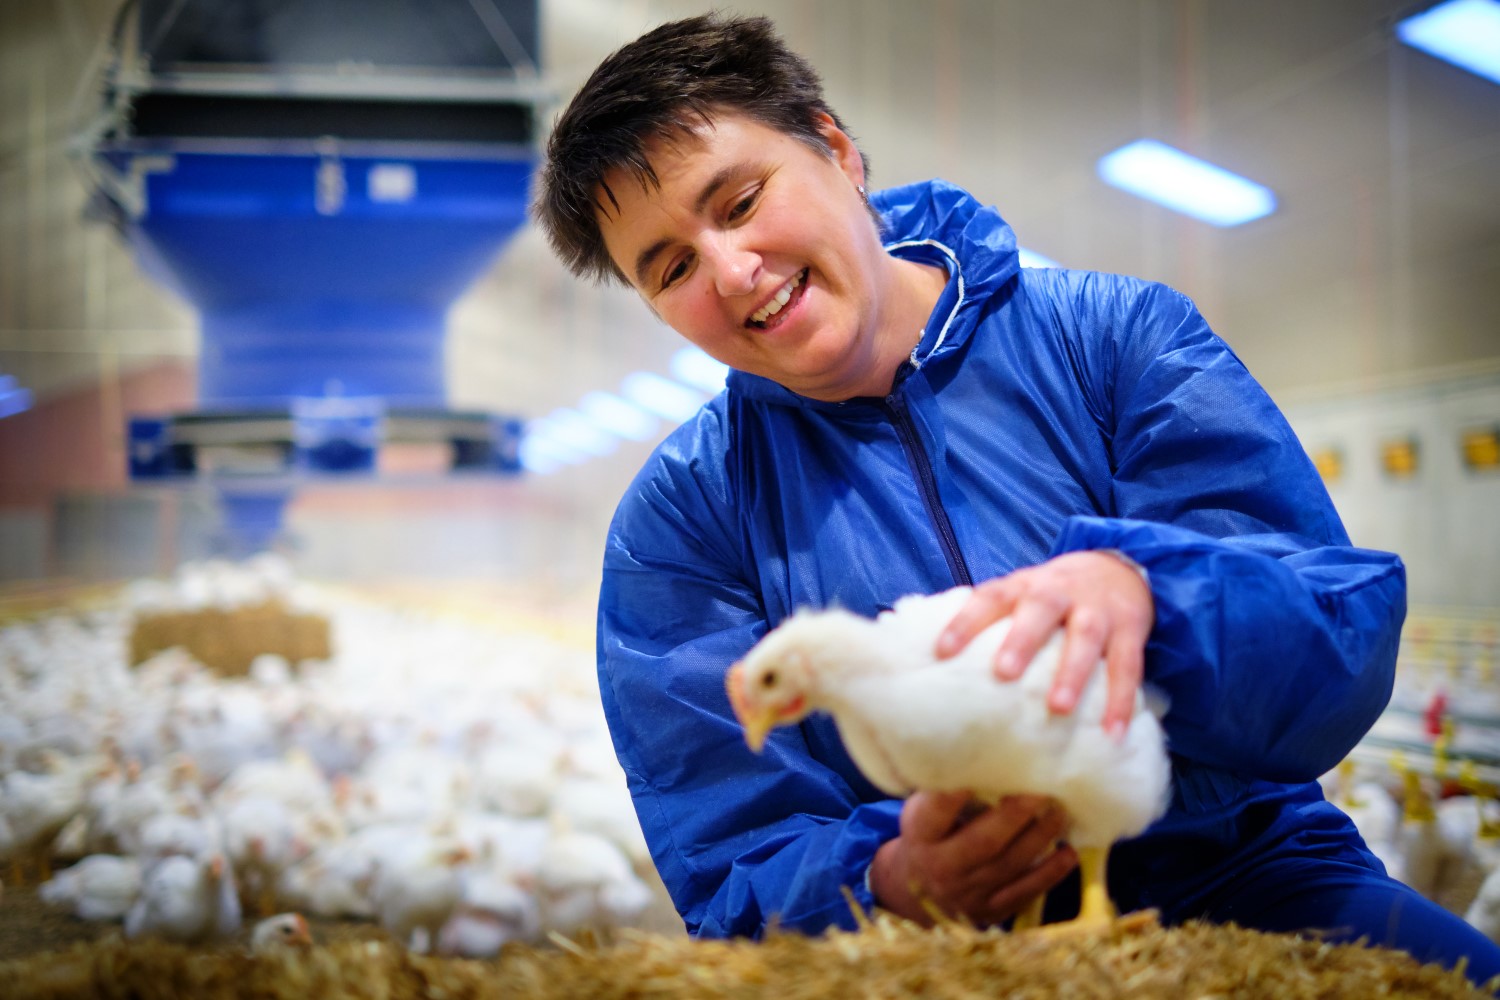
<point x="1096" y="907"/>
<point x="1097" y="913"/>
<point x="1031" y="917"/>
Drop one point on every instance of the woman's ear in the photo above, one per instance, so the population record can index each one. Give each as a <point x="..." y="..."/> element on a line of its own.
<point x="845" y="152"/>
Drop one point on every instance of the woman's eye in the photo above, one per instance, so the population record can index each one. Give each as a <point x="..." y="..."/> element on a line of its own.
<point x="743" y="205"/>
<point x="674" y="273"/>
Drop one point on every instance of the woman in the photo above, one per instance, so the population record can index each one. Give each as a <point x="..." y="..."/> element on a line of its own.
<point x="908" y="410"/>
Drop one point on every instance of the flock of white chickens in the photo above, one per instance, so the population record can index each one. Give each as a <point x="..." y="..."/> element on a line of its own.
<point x="449" y="780"/>
<point x="1444" y="717"/>
<point x="455" y="782"/>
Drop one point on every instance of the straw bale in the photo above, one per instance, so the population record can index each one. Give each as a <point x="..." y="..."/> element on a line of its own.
<point x="227" y="640"/>
<point x="889" y="958"/>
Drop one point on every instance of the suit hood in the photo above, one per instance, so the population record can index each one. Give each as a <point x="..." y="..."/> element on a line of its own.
<point x="937" y="223"/>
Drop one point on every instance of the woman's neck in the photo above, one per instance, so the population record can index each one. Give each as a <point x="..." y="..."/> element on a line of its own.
<point x="915" y="292"/>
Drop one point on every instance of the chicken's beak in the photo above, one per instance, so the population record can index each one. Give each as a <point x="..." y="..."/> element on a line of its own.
<point x="757" y="724"/>
<point x="757" y="729"/>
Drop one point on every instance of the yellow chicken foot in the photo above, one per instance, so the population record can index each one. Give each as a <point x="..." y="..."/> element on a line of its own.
<point x="1097" y="913"/>
<point x="1096" y="907"/>
<point x="1030" y="918"/>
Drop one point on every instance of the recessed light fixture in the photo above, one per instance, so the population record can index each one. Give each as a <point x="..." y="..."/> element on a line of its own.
<point x="570" y="436"/>
<point x="13" y="398"/>
<point x="1030" y="258"/>
<point x="667" y="399"/>
<point x="697" y="369"/>
<point x="1465" y="33"/>
<point x="573" y="430"/>
<point x="618" y="416"/>
<point x="1186" y="184"/>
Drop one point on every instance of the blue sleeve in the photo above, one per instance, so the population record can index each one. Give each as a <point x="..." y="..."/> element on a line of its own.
<point x="1275" y="640"/>
<point x="741" y="840"/>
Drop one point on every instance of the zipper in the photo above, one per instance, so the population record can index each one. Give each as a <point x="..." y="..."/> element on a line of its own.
<point x="906" y="432"/>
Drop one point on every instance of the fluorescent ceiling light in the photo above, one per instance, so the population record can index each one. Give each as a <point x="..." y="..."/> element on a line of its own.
<point x="1463" y="32"/>
<point x="1030" y="258"/>
<point x="535" y="457"/>
<point x="540" y="441"/>
<point x="668" y="399"/>
<point x="13" y="398"/>
<point x="573" y="430"/>
<point x="1185" y="183"/>
<point x="618" y="416"/>
<point x="693" y="366"/>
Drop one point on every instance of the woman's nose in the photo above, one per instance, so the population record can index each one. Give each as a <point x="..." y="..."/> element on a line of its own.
<point x="734" y="269"/>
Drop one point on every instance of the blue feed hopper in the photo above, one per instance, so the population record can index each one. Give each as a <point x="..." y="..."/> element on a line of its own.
<point x="321" y="180"/>
<point x="324" y="276"/>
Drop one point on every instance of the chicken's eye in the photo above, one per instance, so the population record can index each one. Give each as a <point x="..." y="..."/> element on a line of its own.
<point x="768" y="679"/>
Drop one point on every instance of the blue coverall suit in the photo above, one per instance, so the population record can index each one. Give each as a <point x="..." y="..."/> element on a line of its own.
<point x="1042" y="412"/>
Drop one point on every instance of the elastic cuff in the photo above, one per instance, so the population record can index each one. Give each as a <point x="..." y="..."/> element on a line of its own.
<point x="1145" y="577"/>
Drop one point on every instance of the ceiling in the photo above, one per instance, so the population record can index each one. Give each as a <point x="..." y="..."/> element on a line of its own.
<point x="1382" y="260"/>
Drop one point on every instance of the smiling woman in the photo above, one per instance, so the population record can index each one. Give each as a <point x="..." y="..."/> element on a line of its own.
<point x="760" y="250"/>
<point x="908" y="410"/>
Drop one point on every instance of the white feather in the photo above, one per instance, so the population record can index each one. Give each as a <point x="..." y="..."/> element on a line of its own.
<point x="911" y="721"/>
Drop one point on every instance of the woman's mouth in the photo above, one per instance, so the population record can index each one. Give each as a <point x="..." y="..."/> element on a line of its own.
<point x="772" y="313"/>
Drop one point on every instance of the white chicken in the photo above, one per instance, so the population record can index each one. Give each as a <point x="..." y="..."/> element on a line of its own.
<point x="584" y="880"/>
<point x="518" y="779"/>
<point x="1484" y="911"/>
<point x="494" y="910"/>
<point x="1375" y="813"/>
<point x="417" y="889"/>
<point x="604" y="807"/>
<point x="261" y="839"/>
<point x="1471" y="848"/>
<point x="35" y="807"/>
<point x="1421" y="847"/>
<point x="278" y="933"/>
<point x="120" y="812"/>
<point x="913" y="722"/>
<point x="100" y="887"/>
<point x="190" y="900"/>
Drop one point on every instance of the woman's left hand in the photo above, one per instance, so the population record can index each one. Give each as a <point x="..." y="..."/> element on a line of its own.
<point x="1102" y="604"/>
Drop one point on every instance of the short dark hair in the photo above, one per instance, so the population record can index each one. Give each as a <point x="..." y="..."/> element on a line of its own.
<point x="663" y="85"/>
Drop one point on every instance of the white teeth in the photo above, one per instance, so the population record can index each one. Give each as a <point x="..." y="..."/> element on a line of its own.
<point x="781" y="298"/>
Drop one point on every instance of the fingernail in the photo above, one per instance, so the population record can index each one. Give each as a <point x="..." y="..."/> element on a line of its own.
<point x="946" y="642"/>
<point x="1115" y="730"/>
<point x="1006" y="666"/>
<point x="1062" y="701"/>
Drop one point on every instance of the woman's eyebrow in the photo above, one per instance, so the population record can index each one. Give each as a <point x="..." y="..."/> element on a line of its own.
<point x="646" y="257"/>
<point x="722" y="176"/>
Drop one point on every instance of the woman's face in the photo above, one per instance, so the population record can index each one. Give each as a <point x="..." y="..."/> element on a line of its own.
<point x="760" y="250"/>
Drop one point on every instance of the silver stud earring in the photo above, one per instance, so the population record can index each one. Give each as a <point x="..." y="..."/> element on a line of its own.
<point x="862" y="196"/>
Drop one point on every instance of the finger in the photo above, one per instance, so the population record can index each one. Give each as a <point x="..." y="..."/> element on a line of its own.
<point x="1025" y="850"/>
<point x="990" y="835"/>
<point x="928" y="817"/>
<point x="988" y="603"/>
<point x="1007" y="901"/>
<point x="1125" y="666"/>
<point x="1083" y="648"/>
<point x="982" y="885"/>
<point x="1031" y="624"/>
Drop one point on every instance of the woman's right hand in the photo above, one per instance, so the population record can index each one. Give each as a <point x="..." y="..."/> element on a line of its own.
<point x="981" y="863"/>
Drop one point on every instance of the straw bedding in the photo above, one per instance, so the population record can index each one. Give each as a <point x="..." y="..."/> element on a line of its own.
<point x="889" y="958"/>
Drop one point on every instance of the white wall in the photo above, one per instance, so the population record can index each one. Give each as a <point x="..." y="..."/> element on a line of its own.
<point x="1445" y="520"/>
